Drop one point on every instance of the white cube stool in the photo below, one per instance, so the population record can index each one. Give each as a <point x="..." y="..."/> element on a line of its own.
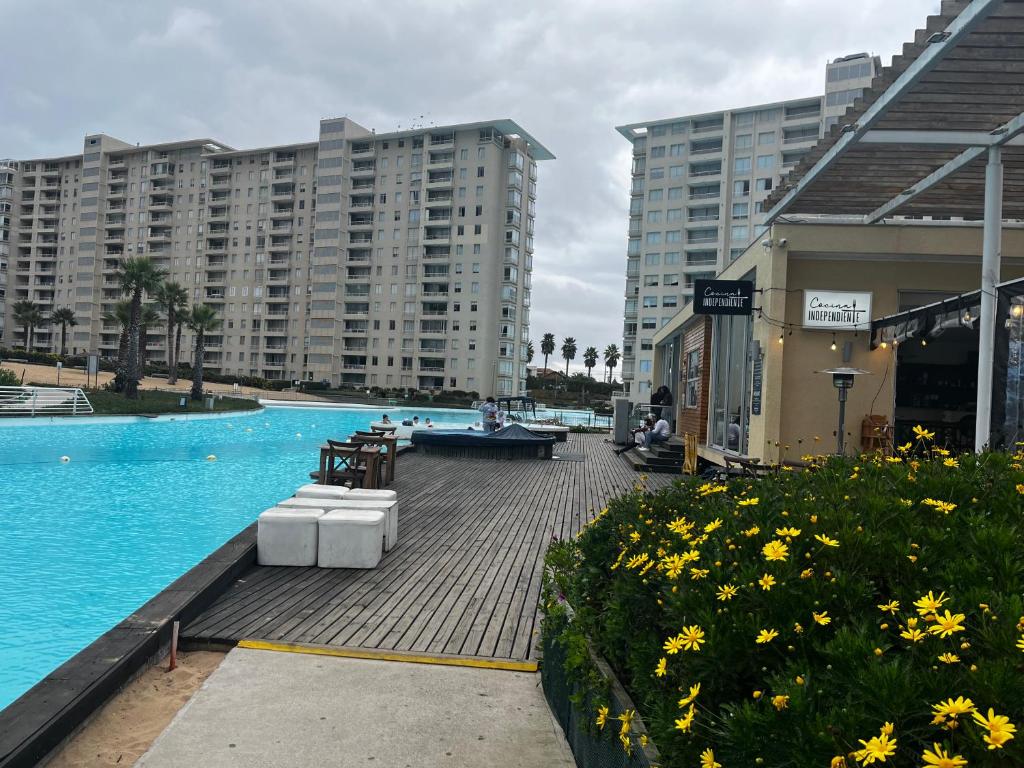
<point x="389" y="508"/>
<point x="314" y="491"/>
<point x="296" y="502"/>
<point x="287" y="536"/>
<point x="373" y="494"/>
<point x="350" y="538"/>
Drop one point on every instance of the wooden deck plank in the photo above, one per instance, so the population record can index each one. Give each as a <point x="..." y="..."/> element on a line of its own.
<point x="465" y="577"/>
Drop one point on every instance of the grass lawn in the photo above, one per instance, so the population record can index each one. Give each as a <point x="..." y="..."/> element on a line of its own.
<point x="106" y="403"/>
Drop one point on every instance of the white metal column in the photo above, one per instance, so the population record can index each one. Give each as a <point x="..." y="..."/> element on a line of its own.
<point x="990" y="258"/>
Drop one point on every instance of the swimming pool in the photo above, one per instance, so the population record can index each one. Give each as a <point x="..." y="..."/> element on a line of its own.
<point x="85" y="543"/>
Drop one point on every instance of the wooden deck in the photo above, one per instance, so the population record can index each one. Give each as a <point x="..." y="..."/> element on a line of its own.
<point x="465" y="576"/>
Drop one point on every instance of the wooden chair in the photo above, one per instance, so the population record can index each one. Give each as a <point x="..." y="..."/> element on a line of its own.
<point x="690" y="454"/>
<point x="339" y="465"/>
<point x="386" y="447"/>
<point x="876" y="434"/>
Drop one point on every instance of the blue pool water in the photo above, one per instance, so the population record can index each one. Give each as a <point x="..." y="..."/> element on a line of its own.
<point x="85" y="543"/>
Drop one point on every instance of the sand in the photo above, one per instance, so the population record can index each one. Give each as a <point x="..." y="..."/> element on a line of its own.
<point x="129" y="723"/>
<point x="75" y="377"/>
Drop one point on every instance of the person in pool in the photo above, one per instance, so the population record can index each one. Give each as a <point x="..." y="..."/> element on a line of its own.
<point x="386" y="420"/>
<point x="427" y="423"/>
<point x="415" y="420"/>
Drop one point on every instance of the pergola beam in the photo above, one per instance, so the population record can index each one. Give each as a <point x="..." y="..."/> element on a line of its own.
<point x="940" y="138"/>
<point x="1009" y="133"/>
<point x="937" y="49"/>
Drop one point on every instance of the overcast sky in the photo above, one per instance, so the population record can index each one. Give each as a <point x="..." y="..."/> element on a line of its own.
<point x="255" y="73"/>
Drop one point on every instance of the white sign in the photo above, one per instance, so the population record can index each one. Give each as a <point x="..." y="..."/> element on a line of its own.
<point x="837" y="310"/>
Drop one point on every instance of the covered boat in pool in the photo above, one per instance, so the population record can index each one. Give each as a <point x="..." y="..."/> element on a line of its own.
<point x="513" y="442"/>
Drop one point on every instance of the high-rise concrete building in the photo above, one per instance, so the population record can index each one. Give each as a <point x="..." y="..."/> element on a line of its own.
<point x="697" y="198"/>
<point x="393" y="260"/>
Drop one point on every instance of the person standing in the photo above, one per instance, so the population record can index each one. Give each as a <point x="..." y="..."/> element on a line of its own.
<point x="489" y="410"/>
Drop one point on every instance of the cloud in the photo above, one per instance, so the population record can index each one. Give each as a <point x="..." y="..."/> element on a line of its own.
<point x="261" y="72"/>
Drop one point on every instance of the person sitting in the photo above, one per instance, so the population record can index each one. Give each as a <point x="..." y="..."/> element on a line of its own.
<point x="636" y="436"/>
<point x="659" y="433"/>
<point x="490" y="414"/>
<point x="661" y="401"/>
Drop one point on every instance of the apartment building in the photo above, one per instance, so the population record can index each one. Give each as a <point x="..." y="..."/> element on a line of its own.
<point x="394" y="260"/>
<point x="697" y="195"/>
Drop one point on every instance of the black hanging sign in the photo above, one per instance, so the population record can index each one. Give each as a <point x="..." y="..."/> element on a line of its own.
<point x="723" y="297"/>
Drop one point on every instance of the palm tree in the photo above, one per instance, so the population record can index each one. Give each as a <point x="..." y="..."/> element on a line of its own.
<point x="568" y="352"/>
<point x="137" y="275"/>
<point x="122" y="317"/>
<point x="173" y="300"/>
<point x="529" y="352"/>
<point x="590" y="355"/>
<point x="547" y="347"/>
<point x="30" y="315"/>
<point x="611" y="359"/>
<point x="64" y="316"/>
<point x="150" y="317"/>
<point x="201" y="321"/>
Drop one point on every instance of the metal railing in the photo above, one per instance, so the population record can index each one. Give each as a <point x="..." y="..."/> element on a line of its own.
<point x="43" y="401"/>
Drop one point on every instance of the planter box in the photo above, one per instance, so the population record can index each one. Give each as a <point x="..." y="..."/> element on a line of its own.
<point x="590" y="747"/>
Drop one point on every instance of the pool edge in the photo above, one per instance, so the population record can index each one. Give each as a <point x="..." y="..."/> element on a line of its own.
<point x="42" y="718"/>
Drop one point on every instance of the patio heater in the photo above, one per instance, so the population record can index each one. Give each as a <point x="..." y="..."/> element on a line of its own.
<point x="842" y="380"/>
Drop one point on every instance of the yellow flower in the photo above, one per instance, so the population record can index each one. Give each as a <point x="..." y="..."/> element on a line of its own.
<point x="913" y="635"/>
<point x="673" y="645"/>
<point x="637" y="560"/>
<point x="792" y="532"/>
<point x="768" y="581"/>
<point x="766" y="636"/>
<point x="930" y="603"/>
<point x="837" y="762"/>
<point x="707" y="759"/>
<point x="634" y="536"/>
<point x="942" y="506"/>
<point x="806" y="573"/>
<point x="946" y="625"/>
<point x="905" y="447"/>
<point x="757" y="694"/>
<point x="891" y="607"/>
<point x="662" y="667"/>
<point x="1020" y="644"/>
<point x="949" y="658"/>
<point x="1020" y="488"/>
<point x="950" y="463"/>
<point x="1000" y="729"/>
<point x="822" y="618"/>
<point x="698" y="573"/>
<point x="939" y="758"/>
<point x="714" y="525"/>
<point x="680" y="525"/>
<point x="752" y="531"/>
<point x="748" y="502"/>
<point x="694" y="690"/>
<point x="727" y="592"/>
<point x="780" y="702"/>
<point x="602" y="716"/>
<point x="953" y="707"/>
<point x="692" y="637"/>
<point x="627" y="720"/>
<point x="775" y="550"/>
<point x="877" y="748"/>
<point x="690" y="557"/>
<point x="826" y="540"/>
<point x="923" y="434"/>
<point x="683" y="723"/>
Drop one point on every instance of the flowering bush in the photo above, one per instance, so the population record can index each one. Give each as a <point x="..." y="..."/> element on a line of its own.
<point x="863" y="611"/>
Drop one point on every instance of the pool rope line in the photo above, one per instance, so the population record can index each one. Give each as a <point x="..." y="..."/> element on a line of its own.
<point x="373" y="654"/>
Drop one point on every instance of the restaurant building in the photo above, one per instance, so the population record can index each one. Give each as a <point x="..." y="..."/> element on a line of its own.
<point x="891" y="249"/>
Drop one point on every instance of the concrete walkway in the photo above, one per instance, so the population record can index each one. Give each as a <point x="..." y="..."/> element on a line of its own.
<point x="266" y="709"/>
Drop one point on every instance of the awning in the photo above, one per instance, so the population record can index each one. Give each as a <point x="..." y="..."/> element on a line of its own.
<point x="927" y="322"/>
<point x="916" y="142"/>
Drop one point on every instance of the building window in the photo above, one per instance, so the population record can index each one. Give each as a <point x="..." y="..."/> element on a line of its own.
<point x="657" y="151"/>
<point x="742" y="165"/>
<point x="764" y="162"/>
<point x="652" y="259"/>
<point x="744" y="141"/>
<point x="657" y="173"/>
<point x="692" y="378"/>
<point x="764" y="185"/>
<point x="730" y="401"/>
<point x="765" y="138"/>
<point x="655" y="195"/>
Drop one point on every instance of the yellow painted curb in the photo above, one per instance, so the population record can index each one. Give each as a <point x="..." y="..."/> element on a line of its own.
<point x="375" y="655"/>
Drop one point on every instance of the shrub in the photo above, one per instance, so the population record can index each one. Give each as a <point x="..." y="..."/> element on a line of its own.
<point x="815" y="618"/>
<point x="9" y="378"/>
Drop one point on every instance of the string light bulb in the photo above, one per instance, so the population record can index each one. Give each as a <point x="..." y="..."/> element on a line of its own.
<point x="1016" y="311"/>
<point x="833" y="345"/>
<point x="924" y="342"/>
<point x="782" y="338"/>
<point x="884" y="345"/>
<point x="967" y="316"/>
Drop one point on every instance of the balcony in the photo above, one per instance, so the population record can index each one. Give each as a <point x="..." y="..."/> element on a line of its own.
<point x="278" y="275"/>
<point x="360" y="201"/>
<point x="216" y="261"/>
<point x="355" y="326"/>
<point x="220" y="180"/>
<point x="440" y="180"/>
<point x="362" y="184"/>
<point x="214" y="293"/>
<point x="363" y="149"/>
<point x="358" y="273"/>
<point x="282" y="191"/>
<point x="283" y="158"/>
<point x="437" y="251"/>
<point x="282" y="211"/>
<point x="360" y="221"/>
<point x="442" y="140"/>
<point x="441" y="161"/>
<point x="280" y="243"/>
<point x="219" y="198"/>
<point x="360" y="238"/>
<point x="281" y="228"/>
<point x="218" y="229"/>
<point x="277" y="310"/>
<point x="159" y="234"/>
<point x="439" y="215"/>
<point x="283" y="174"/>
<point x="356" y="309"/>
<point x="160" y="202"/>
<point x="362" y="170"/>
